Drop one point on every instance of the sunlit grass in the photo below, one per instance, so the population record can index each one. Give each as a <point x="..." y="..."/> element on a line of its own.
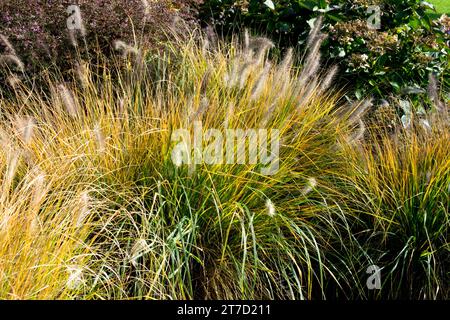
<point x="398" y="188"/>
<point x="92" y="205"/>
<point x="442" y="6"/>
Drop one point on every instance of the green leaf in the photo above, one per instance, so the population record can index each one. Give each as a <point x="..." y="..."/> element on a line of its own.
<point x="395" y="85"/>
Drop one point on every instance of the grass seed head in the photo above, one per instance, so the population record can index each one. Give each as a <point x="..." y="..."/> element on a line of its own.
<point x="270" y="208"/>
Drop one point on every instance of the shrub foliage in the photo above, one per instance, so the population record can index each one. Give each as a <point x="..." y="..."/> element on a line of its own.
<point x="38" y="29"/>
<point x="396" y="58"/>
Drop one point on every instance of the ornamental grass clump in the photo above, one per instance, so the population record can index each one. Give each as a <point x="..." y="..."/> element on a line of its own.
<point x="119" y="183"/>
<point x="153" y="228"/>
<point x="397" y="189"/>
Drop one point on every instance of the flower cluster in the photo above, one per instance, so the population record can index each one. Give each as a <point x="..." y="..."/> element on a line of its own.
<point x="359" y="61"/>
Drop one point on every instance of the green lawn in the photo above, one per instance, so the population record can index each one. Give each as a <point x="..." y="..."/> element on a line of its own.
<point x="442" y="6"/>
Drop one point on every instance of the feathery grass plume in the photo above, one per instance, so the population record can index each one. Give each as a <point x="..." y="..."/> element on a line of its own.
<point x="121" y="107"/>
<point x="268" y="114"/>
<point x="359" y="134"/>
<point x="67" y="100"/>
<point x="82" y="29"/>
<point x="13" y="158"/>
<point x="85" y="209"/>
<point x="175" y="25"/>
<point x="246" y="40"/>
<point x="286" y="63"/>
<point x="432" y="88"/>
<point x="246" y="61"/>
<point x="428" y="178"/>
<point x="5" y="141"/>
<point x="433" y="93"/>
<point x="310" y="91"/>
<point x="247" y="52"/>
<point x="315" y="31"/>
<point x="383" y="103"/>
<point x="312" y="61"/>
<point x="4" y="42"/>
<point x="241" y="70"/>
<point x="312" y="67"/>
<point x="39" y="190"/>
<point x="261" y="45"/>
<point x="357" y="110"/>
<point x="126" y="49"/>
<point x="25" y="126"/>
<point x="282" y="75"/>
<point x="230" y="78"/>
<point x="131" y="52"/>
<point x="140" y="248"/>
<point x="76" y="278"/>
<point x="206" y="45"/>
<point x="271" y="212"/>
<point x="229" y="115"/>
<point x="12" y="61"/>
<point x="311" y="183"/>
<point x="205" y="81"/>
<point x="260" y="82"/>
<point x="204" y="104"/>
<point x="119" y="45"/>
<point x="313" y="57"/>
<point x="99" y="138"/>
<point x="255" y="48"/>
<point x="211" y="34"/>
<point x="83" y="73"/>
<point x="329" y="78"/>
<point x="34" y="223"/>
<point x="13" y="81"/>
<point x="212" y="38"/>
<point x="244" y="73"/>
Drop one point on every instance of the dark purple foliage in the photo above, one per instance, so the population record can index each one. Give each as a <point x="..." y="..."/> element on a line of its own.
<point x="37" y="29"/>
